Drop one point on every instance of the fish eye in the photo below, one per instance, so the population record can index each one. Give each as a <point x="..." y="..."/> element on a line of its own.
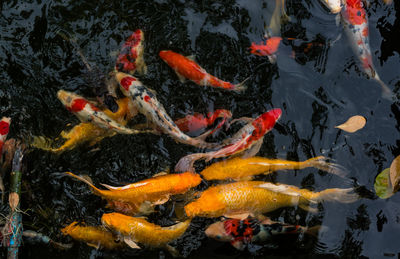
<point x="218" y="237"/>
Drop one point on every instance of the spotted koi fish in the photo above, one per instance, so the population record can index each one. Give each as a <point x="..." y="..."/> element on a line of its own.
<point x="4" y="129"/>
<point x="187" y="68"/>
<point x="130" y="58"/>
<point x="197" y="121"/>
<point x="355" y="23"/>
<point x="146" y="103"/>
<point x="87" y="112"/>
<point x="249" y="138"/>
<point x="241" y="233"/>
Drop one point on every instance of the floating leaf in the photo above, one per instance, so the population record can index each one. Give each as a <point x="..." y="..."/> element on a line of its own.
<point x="395" y="174"/>
<point x="353" y="124"/>
<point x="382" y="185"/>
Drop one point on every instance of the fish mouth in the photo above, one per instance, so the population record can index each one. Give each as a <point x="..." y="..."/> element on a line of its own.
<point x="64" y="97"/>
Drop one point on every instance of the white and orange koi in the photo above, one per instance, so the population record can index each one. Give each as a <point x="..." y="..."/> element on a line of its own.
<point x="249" y="138"/>
<point x="355" y="23"/>
<point x="88" y="112"/>
<point x="146" y="103"/>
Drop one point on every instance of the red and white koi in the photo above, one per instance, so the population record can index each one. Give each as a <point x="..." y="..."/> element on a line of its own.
<point x="88" y="112"/>
<point x="355" y="22"/>
<point x="131" y="58"/>
<point x="187" y="68"/>
<point x="146" y="103"/>
<point x="4" y="129"/>
<point x="249" y="139"/>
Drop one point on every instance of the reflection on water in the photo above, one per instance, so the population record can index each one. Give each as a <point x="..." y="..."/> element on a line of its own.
<point x="316" y="81"/>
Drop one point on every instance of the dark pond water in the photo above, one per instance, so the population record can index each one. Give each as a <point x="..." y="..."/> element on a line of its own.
<point x="316" y="91"/>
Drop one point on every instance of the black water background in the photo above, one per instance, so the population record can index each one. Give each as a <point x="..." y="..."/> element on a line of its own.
<point x="316" y="92"/>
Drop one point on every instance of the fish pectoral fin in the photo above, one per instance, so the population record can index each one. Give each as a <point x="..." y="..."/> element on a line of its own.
<point x="191" y="57"/>
<point x="161" y="201"/>
<point x="160" y="174"/>
<point x="129" y="242"/>
<point x="338" y="19"/>
<point x="308" y="208"/>
<point x="240" y="216"/>
<point x="279" y="188"/>
<point x="172" y="251"/>
<point x="146" y="207"/>
<point x="238" y="244"/>
<point x="97" y="246"/>
<point x="181" y="77"/>
<point x="254" y="149"/>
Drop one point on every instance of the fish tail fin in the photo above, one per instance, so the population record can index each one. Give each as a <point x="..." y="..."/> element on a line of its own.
<point x="43" y="143"/>
<point x="87" y="181"/>
<point x="335" y="194"/>
<point x="321" y="163"/>
<point x="241" y="87"/>
<point x="185" y="164"/>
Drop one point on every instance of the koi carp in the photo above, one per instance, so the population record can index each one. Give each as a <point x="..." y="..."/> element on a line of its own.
<point x="249" y="139"/>
<point x="355" y="23"/>
<point x="241" y="199"/>
<point x="246" y="168"/>
<point x="131" y="58"/>
<point x="268" y="49"/>
<point x="335" y="6"/>
<point x="4" y="129"/>
<point x="187" y="68"/>
<point x="87" y="112"/>
<point x="241" y="233"/>
<point x="197" y="121"/>
<point x="142" y="196"/>
<point x="96" y="237"/>
<point x="138" y="230"/>
<point x="147" y="104"/>
<point x="86" y="131"/>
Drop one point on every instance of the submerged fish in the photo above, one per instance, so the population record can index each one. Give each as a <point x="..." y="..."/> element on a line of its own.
<point x="86" y="132"/>
<point x="241" y="199"/>
<point x="4" y="129"/>
<point x="96" y="237"/>
<point x="138" y="230"/>
<point x="355" y="22"/>
<point x="187" y="68"/>
<point x="240" y="233"/>
<point x="142" y="196"/>
<point x="249" y="139"/>
<point x="335" y="6"/>
<point x="239" y="168"/>
<point x="268" y="49"/>
<point x="87" y="112"/>
<point x="197" y="121"/>
<point x="131" y="58"/>
<point x="147" y="104"/>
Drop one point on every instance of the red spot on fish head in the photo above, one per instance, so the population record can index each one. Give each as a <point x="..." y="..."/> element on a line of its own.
<point x="164" y="54"/>
<point x="127" y="81"/>
<point x="77" y="105"/>
<point x="147" y="98"/>
<point x="4" y="128"/>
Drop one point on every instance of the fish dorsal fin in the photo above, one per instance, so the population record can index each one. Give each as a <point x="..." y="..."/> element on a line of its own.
<point x="240" y="216"/>
<point x="281" y="188"/>
<point x="161" y="173"/>
<point x="131" y="243"/>
<point x="97" y="246"/>
<point x="181" y="77"/>
<point x="129" y="186"/>
<point x="191" y="57"/>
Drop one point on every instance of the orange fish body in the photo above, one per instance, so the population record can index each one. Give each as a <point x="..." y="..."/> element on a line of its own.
<point x="239" y="168"/>
<point x="134" y="197"/>
<point x="269" y="48"/>
<point x="256" y="197"/>
<point x="189" y="69"/>
<point x="141" y="231"/>
<point x="96" y="237"/>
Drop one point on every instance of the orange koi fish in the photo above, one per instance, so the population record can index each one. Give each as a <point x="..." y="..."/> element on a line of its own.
<point x="142" y="196"/>
<point x="4" y="129"/>
<point x="355" y="23"/>
<point x="96" y="237"/>
<point x="187" y="68"/>
<point x="249" y="138"/>
<point x="241" y="199"/>
<point x="86" y="131"/>
<point x="197" y="121"/>
<point x="131" y="58"/>
<point x="137" y="230"/>
<point x="241" y="233"/>
<point x="246" y="168"/>
<point x="268" y="49"/>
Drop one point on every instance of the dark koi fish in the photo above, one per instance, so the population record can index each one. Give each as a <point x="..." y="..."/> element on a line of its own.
<point x="240" y="233"/>
<point x="187" y="68"/>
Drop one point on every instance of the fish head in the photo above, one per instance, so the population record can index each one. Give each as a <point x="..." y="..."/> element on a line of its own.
<point x="333" y="5"/>
<point x="69" y="229"/>
<point x="4" y="126"/>
<point x="126" y="82"/>
<point x="72" y="101"/>
<point x="217" y="231"/>
<point x="165" y="54"/>
<point x="113" y="220"/>
<point x="207" y="205"/>
<point x="266" y="121"/>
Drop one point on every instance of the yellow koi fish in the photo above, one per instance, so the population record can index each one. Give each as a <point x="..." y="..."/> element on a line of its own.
<point x="86" y="131"/>
<point x="142" y="196"/>
<point x="239" y="168"/>
<point x="138" y="230"/>
<point x="97" y="237"/>
<point x="241" y="199"/>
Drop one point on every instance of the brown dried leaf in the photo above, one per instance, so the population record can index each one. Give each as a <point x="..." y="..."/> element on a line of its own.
<point x="13" y="200"/>
<point x="353" y="124"/>
<point x="395" y="174"/>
